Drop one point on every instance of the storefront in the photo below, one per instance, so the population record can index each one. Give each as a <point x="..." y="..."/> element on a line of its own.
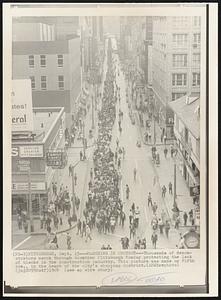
<point x="31" y="177"/>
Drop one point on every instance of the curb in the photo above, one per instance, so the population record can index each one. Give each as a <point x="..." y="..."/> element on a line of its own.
<point x="58" y="232"/>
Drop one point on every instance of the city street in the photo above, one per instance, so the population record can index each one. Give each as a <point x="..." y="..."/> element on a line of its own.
<point x="149" y="178"/>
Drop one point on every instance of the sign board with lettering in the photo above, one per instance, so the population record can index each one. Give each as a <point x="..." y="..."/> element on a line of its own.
<point x="31" y="151"/>
<point x="56" y="158"/>
<point x="21" y="97"/>
<point x="23" y="165"/>
<point x="23" y="186"/>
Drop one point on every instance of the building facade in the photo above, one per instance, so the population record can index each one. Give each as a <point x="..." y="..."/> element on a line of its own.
<point x="176" y="63"/>
<point x="54" y="70"/>
<point x="48" y="133"/>
<point x="187" y="132"/>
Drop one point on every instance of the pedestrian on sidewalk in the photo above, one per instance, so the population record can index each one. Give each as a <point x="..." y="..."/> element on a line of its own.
<point x="191" y="216"/>
<point x="160" y="224"/>
<point x="170" y="188"/>
<point x="69" y="221"/>
<point x="154" y="208"/>
<point x="81" y="155"/>
<point x="60" y="218"/>
<point x="127" y="192"/>
<point x="149" y="199"/>
<point x="117" y="142"/>
<point x="83" y="231"/>
<point x="68" y="240"/>
<point x="75" y="179"/>
<point x="164" y="191"/>
<point x="171" y="150"/>
<point x="135" y="174"/>
<point x="155" y="180"/>
<point x="120" y="130"/>
<point x="88" y="233"/>
<point x="131" y="217"/>
<point x="91" y="174"/>
<point x="154" y="239"/>
<point x="19" y="220"/>
<point x="119" y="163"/>
<point x="124" y="152"/>
<point x="185" y="217"/>
<point x="115" y="156"/>
<point x="70" y="170"/>
<point x="167" y="228"/>
<point x="79" y="223"/>
<point x="177" y="223"/>
<point x="163" y="216"/>
<point x="165" y="152"/>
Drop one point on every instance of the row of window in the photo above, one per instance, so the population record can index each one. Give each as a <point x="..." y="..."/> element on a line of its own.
<point x="180" y="60"/>
<point x="43" y="61"/>
<point x="44" y="82"/>
<point x="180" y="39"/>
<point x="180" y="79"/>
<point x="184" y="20"/>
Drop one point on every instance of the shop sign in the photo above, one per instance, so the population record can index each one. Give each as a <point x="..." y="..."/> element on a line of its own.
<point x="194" y="190"/>
<point x="56" y="158"/>
<point x="31" y="151"/>
<point x="23" y="165"/>
<point x="22" y="114"/>
<point x="23" y="186"/>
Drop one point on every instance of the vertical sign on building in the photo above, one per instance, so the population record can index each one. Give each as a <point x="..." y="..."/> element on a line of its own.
<point x="21" y="97"/>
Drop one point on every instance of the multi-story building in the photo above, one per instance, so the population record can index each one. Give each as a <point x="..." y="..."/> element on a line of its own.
<point x="176" y="63"/>
<point x="54" y="68"/>
<point x="48" y="133"/>
<point x="187" y="132"/>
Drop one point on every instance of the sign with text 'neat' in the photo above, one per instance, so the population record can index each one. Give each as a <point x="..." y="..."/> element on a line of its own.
<point x="21" y="97"/>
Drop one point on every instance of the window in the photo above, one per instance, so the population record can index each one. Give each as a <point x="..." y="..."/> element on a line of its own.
<point x="196" y="59"/>
<point x="61" y="82"/>
<point x="179" y="79"/>
<point x="196" y="21"/>
<point x="32" y="82"/>
<point x="43" y="61"/>
<point x="43" y="82"/>
<point x="196" y="79"/>
<point x="196" y="38"/>
<point x="60" y="60"/>
<point x="179" y="60"/>
<point x="31" y="60"/>
<point x="177" y="96"/>
<point x="180" y="39"/>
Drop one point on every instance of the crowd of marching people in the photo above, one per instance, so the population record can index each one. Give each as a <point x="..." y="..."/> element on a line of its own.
<point x="103" y="209"/>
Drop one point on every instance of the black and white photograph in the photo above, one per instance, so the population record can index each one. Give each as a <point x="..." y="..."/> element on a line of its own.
<point x="106" y="132"/>
<point x="108" y="126"/>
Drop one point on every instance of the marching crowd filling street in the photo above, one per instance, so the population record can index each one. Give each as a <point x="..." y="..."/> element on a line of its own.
<point x="117" y="192"/>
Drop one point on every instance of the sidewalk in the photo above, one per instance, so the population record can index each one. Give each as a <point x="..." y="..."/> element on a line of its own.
<point x="165" y="174"/>
<point x="157" y="131"/>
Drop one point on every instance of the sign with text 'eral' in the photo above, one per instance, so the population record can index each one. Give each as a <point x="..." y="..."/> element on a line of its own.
<point x="31" y="151"/>
<point x="21" y="97"/>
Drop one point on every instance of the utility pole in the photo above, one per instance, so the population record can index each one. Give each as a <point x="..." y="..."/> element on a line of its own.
<point x="154" y="121"/>
<point x="30" y="202"/>
<point x="84" y="144"/>
<point x="174" y="188"/>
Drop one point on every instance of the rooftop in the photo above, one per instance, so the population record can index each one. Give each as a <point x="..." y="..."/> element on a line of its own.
<point x="44" y="119"/>
<point x="186" y="109"/>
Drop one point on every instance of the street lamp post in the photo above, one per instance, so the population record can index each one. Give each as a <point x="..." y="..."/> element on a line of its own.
<point x="174" y="192"/>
